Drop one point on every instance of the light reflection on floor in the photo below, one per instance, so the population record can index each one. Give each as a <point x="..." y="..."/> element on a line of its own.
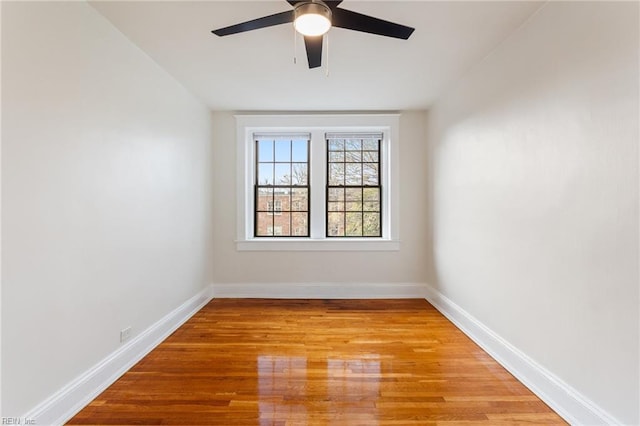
<point x="279" y="378"/>
<point x="345" y="387"/>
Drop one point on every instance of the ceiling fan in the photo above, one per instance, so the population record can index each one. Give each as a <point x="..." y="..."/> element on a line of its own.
<point x="313" y="18"/>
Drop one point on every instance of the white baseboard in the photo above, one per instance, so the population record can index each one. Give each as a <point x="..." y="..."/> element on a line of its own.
<point x="68" y="401"/>
<point x="570" y="404"/>
<point x="566" y="401"/>
<point x="320" y="290"/>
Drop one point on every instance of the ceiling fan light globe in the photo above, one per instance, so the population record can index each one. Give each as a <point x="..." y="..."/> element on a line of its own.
<point x="312" y="19"/>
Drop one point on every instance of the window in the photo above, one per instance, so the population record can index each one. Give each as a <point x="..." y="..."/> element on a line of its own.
<point x="282" y="185"/>
<point x="353" y="185"/>
<point x="318" y="182"/>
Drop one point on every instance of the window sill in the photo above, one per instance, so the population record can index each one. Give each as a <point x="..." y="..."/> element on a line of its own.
<point x="295" y="244"/>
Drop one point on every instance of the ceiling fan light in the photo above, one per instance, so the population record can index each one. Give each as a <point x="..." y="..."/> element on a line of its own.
<point x="312" y="19"/>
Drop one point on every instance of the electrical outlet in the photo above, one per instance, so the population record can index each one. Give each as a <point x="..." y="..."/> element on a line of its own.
<point x="125" y="334"/>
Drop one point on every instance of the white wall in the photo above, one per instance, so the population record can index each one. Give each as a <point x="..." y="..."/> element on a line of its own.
<point x="404" y="266"/>
<point x="535" y="196"/>
<point x="106" y="195"/>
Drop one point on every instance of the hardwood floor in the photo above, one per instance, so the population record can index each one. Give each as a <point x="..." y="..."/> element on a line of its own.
<point x="317" y="362"/>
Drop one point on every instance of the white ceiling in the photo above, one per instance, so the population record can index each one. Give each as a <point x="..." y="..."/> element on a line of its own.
<point x="255" y="70"/>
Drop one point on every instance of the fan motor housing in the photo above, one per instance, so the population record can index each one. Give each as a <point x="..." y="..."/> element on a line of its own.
<point x="316" y="10"/>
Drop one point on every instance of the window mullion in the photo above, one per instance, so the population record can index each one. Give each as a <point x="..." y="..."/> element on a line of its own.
<point x="317" y="183"/>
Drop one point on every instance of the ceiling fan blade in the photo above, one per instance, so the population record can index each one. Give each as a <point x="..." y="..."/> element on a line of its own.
<point x="331" y="3"/>
<point x="265" y="21"/>
<point x="357" y="21"/>
<point x="314" y="50"/>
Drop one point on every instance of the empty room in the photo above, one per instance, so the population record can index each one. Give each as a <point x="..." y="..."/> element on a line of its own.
<point x="320" y="212"/>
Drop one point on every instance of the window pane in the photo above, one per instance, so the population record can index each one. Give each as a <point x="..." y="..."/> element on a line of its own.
<point x="300" y="173"/>
<point x="370" y="173"/>
<point x="283" y="174"/>
<point x="354" y="194"/>
<point x="370" y="156"/>
<point x="299" y="199"/>
<point x="337" y="156"/>
<point x="274" y="207"/>
<point x="354" y="206"/>
<point x="300" y="151"/>
<point x="353" y="144"/>
<point x="336" y="174"/>
<point x="283" y="222"/>
<point x="371" y="194"/>
<point x="371" y="224"/>
<point x="299" y="225"/>
<point x="336" y="145"/>
<point x="336" y="206"/>
<point x="335" y="225"/>
<point x="283" y="150"/>
<point x="353" y="174"/>
<point x="265" y="199"/>
<point x="265" y="150"/>
<point x="264" y="225"/>
<point x="353" y="156"/>
<point x="282" y="200"/>
<point x="265" y="174"/>
<point x="370" y="145"/>
<point x="336" y="194"/>
<point x="371" y="206"/>
<point x="354" y="224"/>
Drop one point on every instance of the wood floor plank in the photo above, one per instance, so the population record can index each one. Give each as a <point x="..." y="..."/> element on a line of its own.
<point x="317" y="362"/>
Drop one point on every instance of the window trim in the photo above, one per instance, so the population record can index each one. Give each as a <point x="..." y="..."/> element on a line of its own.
<point x="318" y="125"/>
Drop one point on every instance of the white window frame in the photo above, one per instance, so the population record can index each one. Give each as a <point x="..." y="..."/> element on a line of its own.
<point x="318" y="125"/>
